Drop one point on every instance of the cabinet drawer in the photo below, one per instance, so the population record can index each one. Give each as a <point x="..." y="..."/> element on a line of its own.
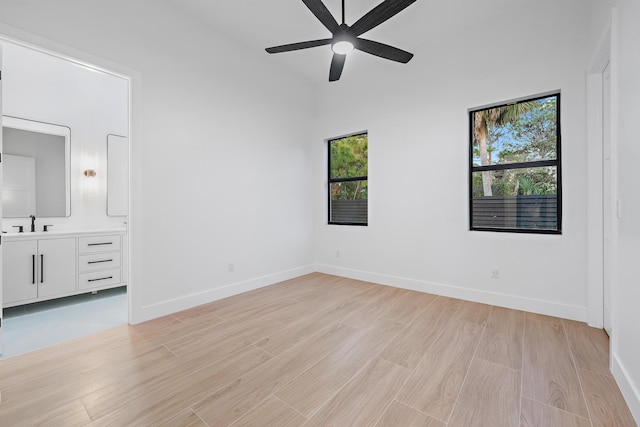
<point x="98" y="244"/>
<point x="98" y="279"/>
<point x="99" y="261"/>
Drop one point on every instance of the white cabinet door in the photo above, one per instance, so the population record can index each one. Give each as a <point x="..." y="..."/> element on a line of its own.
<point x="56" y="267"/>
<point x="19" y="271"/>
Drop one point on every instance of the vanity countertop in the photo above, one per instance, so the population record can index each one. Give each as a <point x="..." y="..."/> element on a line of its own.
<point x="27" y="235"/>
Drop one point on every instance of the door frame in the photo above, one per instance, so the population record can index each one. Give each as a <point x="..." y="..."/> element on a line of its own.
<point x="1" y="172"/>
<point x="608" y="198"/>
<point x="604" y="54"/>
<point x="133" y="78"/>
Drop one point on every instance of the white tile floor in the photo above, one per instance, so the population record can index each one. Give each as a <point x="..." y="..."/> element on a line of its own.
<point x="33" y="326"/>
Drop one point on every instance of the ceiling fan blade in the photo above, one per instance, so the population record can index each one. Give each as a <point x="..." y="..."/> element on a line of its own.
<point x="298" y="46"/>
<point x="322" y="13"/>
<point x="376" y="16"/>
<point x="383" y="50"/>
<point x="337" y="64"/>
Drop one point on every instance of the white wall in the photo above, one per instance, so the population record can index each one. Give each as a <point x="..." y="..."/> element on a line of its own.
<point x="418" y="234"/>
<point x="221" y="170"/>
<point x="626" y="321"/>
<point x="44" y="88"/>
<point x="599" y="18"/>
<point x="614" y="31"/>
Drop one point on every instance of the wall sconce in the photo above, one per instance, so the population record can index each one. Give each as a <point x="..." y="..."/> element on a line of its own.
<point x="89" y="185"/>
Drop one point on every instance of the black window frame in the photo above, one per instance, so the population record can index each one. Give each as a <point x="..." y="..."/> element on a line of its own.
<point x="541" y="163"/>
<point x="349" y="179"/>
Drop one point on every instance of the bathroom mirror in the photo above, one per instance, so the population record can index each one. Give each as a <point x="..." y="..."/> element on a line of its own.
<point x="36" y="175"/>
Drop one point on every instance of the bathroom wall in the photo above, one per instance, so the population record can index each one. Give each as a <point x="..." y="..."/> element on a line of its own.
<point x="41" y="87"/>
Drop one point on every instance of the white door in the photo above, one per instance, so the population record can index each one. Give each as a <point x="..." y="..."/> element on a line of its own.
<point x="607" y="198"/>
<point x="1" y="166"/>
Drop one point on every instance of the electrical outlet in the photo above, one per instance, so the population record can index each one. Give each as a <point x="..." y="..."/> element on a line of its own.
<point x="495" y="273"/>
<point x="338" y="254"/>
<point x="232" y="267"/>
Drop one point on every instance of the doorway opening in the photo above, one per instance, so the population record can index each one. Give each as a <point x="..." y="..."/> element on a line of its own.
<point x="65" y="274"/>
<point x="602" y="204"/>
<point x="608" y="198"/>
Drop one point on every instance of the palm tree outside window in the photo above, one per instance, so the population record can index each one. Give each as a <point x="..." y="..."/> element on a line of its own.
<point x="514" y="166"/>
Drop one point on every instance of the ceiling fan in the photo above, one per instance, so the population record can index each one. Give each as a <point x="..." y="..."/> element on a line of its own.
<point x="346" y="38"/>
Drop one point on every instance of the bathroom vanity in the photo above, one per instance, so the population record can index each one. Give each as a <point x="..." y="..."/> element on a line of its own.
<point x="46" y="265"/>
<point x="64" y="177"/>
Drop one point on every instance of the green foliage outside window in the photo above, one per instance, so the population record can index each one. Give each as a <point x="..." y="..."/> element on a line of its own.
<point x="515" y="180"/>
<point x="516" y="133"/>
<point x="349" y="159"/>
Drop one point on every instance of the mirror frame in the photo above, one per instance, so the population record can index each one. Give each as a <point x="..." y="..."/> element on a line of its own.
<point x="51" y="129"/>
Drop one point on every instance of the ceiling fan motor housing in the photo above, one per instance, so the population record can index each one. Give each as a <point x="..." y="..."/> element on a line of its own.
<point x="343" y="41"/>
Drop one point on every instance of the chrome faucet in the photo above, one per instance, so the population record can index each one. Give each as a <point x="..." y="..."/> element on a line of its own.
<point x="33" y="223"/>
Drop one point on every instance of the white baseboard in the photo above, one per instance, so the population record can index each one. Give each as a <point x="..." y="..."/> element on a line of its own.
<point x="566" y="311"/>
<point x="164" y="308"/>
<point x="627" y="387"/>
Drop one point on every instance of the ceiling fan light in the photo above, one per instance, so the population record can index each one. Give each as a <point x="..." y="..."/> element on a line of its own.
<point x="342" y="47"/>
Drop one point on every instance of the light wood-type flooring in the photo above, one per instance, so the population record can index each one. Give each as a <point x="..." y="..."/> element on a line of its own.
<point x="323" y="351"/>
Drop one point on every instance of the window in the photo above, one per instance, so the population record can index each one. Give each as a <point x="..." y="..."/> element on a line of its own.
<point x="348" y="184"/>
<point x="514" y="173"/>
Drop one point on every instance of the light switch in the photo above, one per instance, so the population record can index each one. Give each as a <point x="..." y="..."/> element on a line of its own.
<point x="619" y="208"/>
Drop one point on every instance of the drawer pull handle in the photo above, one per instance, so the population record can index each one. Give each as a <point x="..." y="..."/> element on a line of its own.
<point x="41" y="268"/>
<point x="33" y="269"/>
<point x="102" y="278"/>
<point x="102" y="260"/>
<point x="100" y="244"/>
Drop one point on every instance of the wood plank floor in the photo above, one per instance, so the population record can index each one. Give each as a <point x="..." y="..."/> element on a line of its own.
<point x="321" y="350"/>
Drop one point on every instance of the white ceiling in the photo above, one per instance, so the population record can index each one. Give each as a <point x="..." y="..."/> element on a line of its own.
<point x="258" y="24"/>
